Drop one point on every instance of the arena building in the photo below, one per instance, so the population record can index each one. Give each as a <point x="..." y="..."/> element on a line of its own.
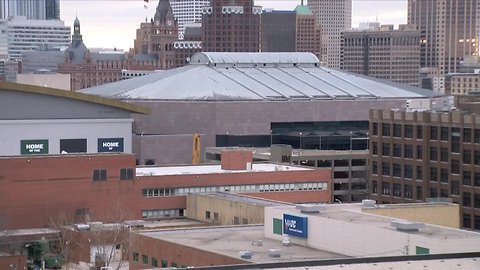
<point x="233" y="97"/>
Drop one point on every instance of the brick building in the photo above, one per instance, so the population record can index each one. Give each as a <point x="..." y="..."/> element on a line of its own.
<point x="422" y="155"/>
<point x="82" y="186"/>
<point x="231" y="26"/>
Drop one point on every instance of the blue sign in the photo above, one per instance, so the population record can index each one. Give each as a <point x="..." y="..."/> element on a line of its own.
<point x="295" y="226"/>
<point x="110" y="145"/>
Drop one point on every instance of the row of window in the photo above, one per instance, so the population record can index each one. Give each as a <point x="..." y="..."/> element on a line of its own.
<point x="101" y="174"/>
<point x="396" y="170"/>
<point x="154" y="261"/>
<point x="162" y="213"/>
<point x="436" y="132"/>
<point x="160" y="192"/>
<point x="467" y="221"/>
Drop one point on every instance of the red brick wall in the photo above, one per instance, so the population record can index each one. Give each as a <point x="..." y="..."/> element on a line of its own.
<point x="175" y="253"/>
<point x="35" y="190"/>
<point x="236" y="160"/>
<point x="16" y="261"/>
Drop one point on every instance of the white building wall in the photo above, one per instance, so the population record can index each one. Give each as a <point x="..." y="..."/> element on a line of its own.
<point x="13" y="131"/>
<point x="359" y="238"/>
<point x="186" y="12"/>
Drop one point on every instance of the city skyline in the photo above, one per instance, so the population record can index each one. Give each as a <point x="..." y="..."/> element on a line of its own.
<point x="117" y="29"/>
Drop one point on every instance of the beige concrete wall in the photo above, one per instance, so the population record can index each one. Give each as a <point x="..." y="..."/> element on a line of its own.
<point x="447" y="215"/>
<point x="59" y="81"/>
<point x="227" y="210"/>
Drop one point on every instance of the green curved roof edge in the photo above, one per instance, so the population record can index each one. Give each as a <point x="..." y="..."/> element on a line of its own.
<point x="303" y="10"/>
<point x="9" y="86"/>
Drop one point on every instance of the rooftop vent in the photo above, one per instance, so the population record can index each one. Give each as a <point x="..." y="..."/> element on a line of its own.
<point x="274" y="253"/>
<point x="81" y="227"/>
<point x="310" y="208"/>
<point x="369" y="203"/>
<point x="245" y="254"/>
<point x="407" y="226"/>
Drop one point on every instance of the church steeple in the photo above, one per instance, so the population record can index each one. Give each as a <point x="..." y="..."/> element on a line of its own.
<point x="164" y="11"/>
<point x="77" y="36"/>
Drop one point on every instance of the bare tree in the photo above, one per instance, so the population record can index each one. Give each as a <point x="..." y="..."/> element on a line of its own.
<point x="63" y="245"/>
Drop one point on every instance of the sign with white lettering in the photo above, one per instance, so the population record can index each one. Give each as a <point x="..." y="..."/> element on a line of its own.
<point x="32" y="147"/>
<point x="110" y="145"/>
<point x="295" y="226"/>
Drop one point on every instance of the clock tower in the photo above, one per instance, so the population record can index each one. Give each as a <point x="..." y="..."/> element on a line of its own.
<point x="164" y="32"/>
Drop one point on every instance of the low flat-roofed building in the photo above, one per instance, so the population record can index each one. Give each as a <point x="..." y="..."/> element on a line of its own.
<point x="216" y="246"/>
<point x="347" y="229"/>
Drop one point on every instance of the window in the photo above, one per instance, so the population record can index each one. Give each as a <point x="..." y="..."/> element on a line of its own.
<point x="455" y="167"/>
<point x="476" y="180"/>
<point x="419" y="152"/>
<point x="385" y="168"/>
<point x="476" y="225"/>
<point x="467" y="199"/>
<point x="444" y="154"/>
<point x="443" y="193"/>
<point x="419" y="173"/>
<point x="444" y="133"/>
<point x="408" y="131"/>
<point x="397" y="130"/>
<point x="476" y="157"/>
<point x="236" y="220"/>
<point x="476" y="201"/>
<point x="407" y="171"/>
<point x="433" y="192"/>
<point x="467" y="221"/>
<point x="467" y="157"/>
<point x="135" y="256"/>
<point x="455" y="188"/>
<point x="126" y="174"/>
<point x="455" y="140"/>
<point x="433" y="153"/>
<point x="408" y="151"/>
<point x="385" y="129"/>
<point x="419" y="193"/>
<point x="385" y="188"/>
<point x="144" y="259"/>
<point x="375" y="128"/>
<point x="375" y="148"/>
<point x="374" y="187"/>
<point x="467" y="135"/>
<point x="397" y="190"/>
<point x="397" y="170"/>
<point x="397" y="150"/>
<point x="433" y="133"/>
<point x="467" y="178"/>
<point x="154" y="262"/>
<point x="374" y="167"/>
<point x="99" y="175"/>
<point x="207" y="214"/>
<point x="476" y="138"/>
<point x="419" y="132"/>
<point x="407" y="190"/>
<point x="433" y="174"/>
<point x="164" y="264"/>
<point x="386" y="149"/>
<point x="444" y="175"/>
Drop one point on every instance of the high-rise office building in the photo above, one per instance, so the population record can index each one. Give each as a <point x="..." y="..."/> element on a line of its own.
<point x="291" y="31"/>
<point x="449" y="31"/>
<point x="384" y="53"/>
<point x="334" y="16"/>
<point x="231" y="26"/>
<point x="24" y="35"/>
<point x="187" y="12"/>
<point x="32" y="9"/>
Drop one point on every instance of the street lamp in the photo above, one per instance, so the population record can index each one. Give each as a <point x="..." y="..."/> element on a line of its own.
<point x="301" y="141"/>
<point x="350" y="141"/>
<point x="271" y="137"/>
<point x="368" y="141"/>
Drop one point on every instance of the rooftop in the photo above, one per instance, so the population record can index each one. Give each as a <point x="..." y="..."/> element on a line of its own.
<point x="244" y="199"/>
<point x="231" y="240"/>
<point x="213" y="169"/>
<point x="255" y="76"/>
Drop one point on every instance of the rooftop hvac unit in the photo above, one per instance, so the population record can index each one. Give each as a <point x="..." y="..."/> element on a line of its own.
<point x="369" y="203"/>
<point x="245" y="254"/>
<point x="286" y="240"/>
<point x="274" y="253"/>
<point x="81" y="227"/>
<point x="407" y="226"/>
<point x="310" y="208"/>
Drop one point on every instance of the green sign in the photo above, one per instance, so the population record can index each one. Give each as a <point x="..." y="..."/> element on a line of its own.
<point x="33" y="147"/>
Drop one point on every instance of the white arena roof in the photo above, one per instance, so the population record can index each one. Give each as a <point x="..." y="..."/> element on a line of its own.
<point x="255" y="76"/>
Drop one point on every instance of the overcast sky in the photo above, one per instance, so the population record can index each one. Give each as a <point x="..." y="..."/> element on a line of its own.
<point x="112" y="23"/>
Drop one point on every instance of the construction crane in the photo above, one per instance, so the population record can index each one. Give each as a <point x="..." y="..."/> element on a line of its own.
<point x="196" y="150"/>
